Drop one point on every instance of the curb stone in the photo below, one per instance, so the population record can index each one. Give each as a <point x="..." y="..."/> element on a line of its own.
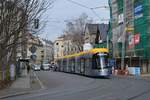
<point x="145" y="78"/>
<point x="21" y="93"/>
<point x="13" y="95"/>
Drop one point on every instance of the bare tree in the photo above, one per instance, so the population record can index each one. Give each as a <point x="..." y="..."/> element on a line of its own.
<point x="75" y="30"/>
<point x="16" y="20"/>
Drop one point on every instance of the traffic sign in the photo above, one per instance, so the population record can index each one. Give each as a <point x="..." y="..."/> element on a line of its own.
<point x="129" y="29"/>
<point x="33" y="49"/>
<point x="33" y="57"/>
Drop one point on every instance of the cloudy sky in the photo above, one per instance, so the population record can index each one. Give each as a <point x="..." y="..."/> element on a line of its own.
<point x="63" y="10"/>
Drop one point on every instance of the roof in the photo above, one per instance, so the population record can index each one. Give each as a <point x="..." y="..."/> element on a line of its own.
<point x="100" y="29"/>
<point x="92" y="51"/>
<point x="91" y="28"/>
<point x="103" y="28"/>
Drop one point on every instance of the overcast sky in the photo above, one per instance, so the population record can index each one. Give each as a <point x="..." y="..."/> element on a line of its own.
<point x="63" y="10"/>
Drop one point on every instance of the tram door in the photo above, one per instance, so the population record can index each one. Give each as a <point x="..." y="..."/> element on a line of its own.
<point x="64" y="65"/>
<point x="73" y="65"/>
<point x="82" y="66"/>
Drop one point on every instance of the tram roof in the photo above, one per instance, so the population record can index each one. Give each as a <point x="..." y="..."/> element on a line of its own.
<point x="92" y="51"/>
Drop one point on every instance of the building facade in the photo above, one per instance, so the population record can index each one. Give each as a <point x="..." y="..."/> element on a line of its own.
<point x="34" y="42"/>
<point x="90" y="33"/>
<point x="130" y="32"/>
<point x="59" y="48"/>
<point x="70" y="47"/>
<point x="49" y="50"/>
<point x="65" y="46"/>
<point x="43" y="49"/>
<point x="95" y="35"/>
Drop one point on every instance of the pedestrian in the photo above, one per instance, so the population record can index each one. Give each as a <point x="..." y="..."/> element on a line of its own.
<point x="12" y="72"/>
<point x="113" y="70"/>
<point x="28" y="68"/>
<point x="126" y="69"/>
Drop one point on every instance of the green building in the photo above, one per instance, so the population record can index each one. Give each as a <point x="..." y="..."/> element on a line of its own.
<point x="130" y="32"/>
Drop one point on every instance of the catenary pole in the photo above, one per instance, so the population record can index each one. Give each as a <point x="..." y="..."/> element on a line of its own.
<point x="123" y="36"/>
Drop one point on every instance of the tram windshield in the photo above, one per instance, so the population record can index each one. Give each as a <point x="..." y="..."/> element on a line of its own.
<point x="99" y="61"/>
<point x="102" y="62"/>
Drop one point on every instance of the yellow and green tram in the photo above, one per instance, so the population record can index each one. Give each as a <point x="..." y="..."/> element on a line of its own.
<point x="90" y="63"/>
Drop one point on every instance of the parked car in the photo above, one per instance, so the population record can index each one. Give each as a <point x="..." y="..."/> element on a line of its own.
<point x="45" y="66"/>
<point x="54" y="67"/>
<point x="36" y="67"/>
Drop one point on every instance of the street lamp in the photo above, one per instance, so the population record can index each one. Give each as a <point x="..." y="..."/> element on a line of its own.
<point x="105" y="7"/>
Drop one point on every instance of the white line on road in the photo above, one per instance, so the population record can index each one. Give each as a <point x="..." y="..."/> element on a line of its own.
<point x="41" y="84"/>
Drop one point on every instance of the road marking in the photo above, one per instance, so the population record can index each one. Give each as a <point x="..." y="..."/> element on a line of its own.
<point x="41" y="84"/>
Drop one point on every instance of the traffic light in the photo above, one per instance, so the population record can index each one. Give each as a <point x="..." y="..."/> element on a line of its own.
<point x="36" y="23"/>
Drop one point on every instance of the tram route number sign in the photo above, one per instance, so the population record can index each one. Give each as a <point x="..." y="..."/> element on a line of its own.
<point x="33" y="49"/>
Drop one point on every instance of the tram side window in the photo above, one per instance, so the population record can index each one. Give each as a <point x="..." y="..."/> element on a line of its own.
<point x="82" y="62"/>
<point x="95" y="62"/>
<point x="69" y="63"/>
<point x="64" y="63"/>
<point x="88" y="63"/>
<point x="73" y="65"/>
<point x="59" y="64"/>
<point x="78" y="63"/>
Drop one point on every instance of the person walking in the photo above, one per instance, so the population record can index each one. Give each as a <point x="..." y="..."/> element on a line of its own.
<point x="28" y="68"/>
<point x="126" y="69"/>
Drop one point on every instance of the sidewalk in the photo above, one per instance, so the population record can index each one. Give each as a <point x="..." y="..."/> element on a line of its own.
<point x="23" y="82"/>
<point x="22" y="85"/>
<point x="145" y="75"/>
<point x="125" y="73"/>
<point x="140" y="77"/>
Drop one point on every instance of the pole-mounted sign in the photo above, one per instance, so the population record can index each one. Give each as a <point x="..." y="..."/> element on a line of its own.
<point x="33" y="49"/>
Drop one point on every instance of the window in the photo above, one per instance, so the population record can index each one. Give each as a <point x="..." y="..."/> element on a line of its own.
<point x="87" y="63"/>
<point x="95" y="62"/>
<point x="42" y="56"/>
<point x="102" y="62"/>
<point x="57" y="43"/>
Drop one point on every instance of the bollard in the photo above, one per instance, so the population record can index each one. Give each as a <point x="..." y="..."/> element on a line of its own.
<point x="113" y="70"/>
<point x="116" y="72"/>
<point x="126" y="72"/>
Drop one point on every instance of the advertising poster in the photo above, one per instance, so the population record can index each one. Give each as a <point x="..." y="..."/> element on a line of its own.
<point x="130" y="40"/>
<point x="138" y="11"/>
<point x="136" y="39"/>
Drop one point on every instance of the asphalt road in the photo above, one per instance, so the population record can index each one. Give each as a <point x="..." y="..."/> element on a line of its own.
<point x="64" y="86"/>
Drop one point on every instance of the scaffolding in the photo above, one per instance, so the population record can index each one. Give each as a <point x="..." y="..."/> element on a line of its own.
<point x="137" y="16"/>
<point x="141" y="26"/>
